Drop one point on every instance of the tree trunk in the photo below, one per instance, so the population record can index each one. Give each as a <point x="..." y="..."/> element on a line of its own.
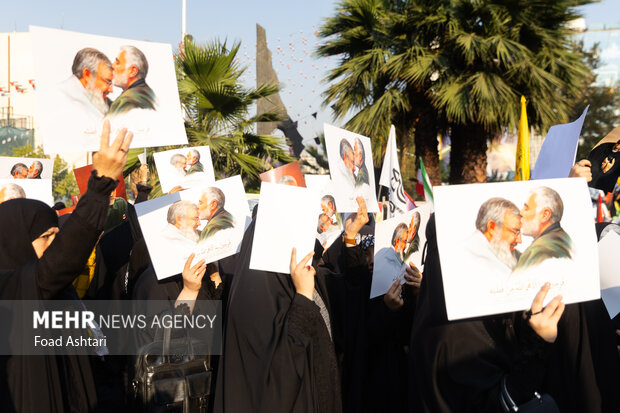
<point x="418" y="130"/>
<point x="468" y="156"/>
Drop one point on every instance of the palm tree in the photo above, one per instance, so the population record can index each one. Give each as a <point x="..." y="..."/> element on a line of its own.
<point x="430" y="66"/>
<point x="493" y="52"/>
<point x="217" y="112"/>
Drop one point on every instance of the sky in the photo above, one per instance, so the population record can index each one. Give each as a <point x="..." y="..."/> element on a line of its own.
<point x="290" y="24"/>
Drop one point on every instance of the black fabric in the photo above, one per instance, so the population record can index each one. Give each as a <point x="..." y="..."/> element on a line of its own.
<point x="21" y="222"/>
<point x="605" y="181"/>
<point x="278" y="356"/>
<point x="459" y="366"/>
<point x="52" y="383"/>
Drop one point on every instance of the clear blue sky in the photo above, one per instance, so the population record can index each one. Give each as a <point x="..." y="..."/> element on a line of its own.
<point x="290" y="24"/>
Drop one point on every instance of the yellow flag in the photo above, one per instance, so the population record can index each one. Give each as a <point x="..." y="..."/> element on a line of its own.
<point x="522" y="168"/>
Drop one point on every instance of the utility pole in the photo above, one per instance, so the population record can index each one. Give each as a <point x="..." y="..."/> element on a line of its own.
<point x="183" y="19"/>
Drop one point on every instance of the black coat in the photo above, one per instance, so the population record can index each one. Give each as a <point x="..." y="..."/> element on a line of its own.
<point x="48" y="383"/>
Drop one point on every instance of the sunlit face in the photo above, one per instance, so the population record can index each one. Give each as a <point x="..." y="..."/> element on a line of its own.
<point x="357" y="152"/>
<point x="401" y="243"/>
<point x="23" y="174"/>
<point x="189" y="221"/>
<point x="349" y="160"/>
<point x="44" y="241"/>
<point x="121" y="75"/>
<point x="32" y="171"/>
<point x="328" y="208"/>
<point x="510" y="232"/>
<point x="103" y="80"/>
<point x="206" y="207"/>
<point x="181" y="164"/>
<point x="326" y="223"/>
<point x="191" y="158"/>
<point x="529" y="218"/>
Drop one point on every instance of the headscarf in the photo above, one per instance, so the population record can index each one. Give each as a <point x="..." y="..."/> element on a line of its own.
<point x="21" y="222"/>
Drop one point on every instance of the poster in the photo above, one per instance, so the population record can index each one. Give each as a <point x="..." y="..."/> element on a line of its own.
<point x="351" y="168"/>
<point x="208" y="221"/>
<point x="286" y="218"/>
<point x="26" y="168"/>
<point x="83" y="79"/>
<point x="188" y="167"/>
<point x="500" y="242"/>
<point x="398" y="242"/>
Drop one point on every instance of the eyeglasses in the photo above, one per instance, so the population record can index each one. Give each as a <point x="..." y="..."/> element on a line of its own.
<point x="516" y="232"/>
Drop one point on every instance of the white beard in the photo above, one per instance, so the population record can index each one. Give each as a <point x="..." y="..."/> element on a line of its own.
<point x="95" y="96"/>
<point x="501" y="249"/>
<point x="189" y="233"/>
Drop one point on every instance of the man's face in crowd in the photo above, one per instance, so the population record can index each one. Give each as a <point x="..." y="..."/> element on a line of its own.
<point x="112" y="197"/>
<point x="530" y="218"/>
<point x="357" y="154"/>
<point x="328" y="208"/>
<point x="206" y="207"/>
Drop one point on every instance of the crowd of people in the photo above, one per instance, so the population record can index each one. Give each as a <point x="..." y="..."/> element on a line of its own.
<point x="311" y="341"/>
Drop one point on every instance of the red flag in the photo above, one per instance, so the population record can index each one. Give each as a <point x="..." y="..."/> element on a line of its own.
<point x="599" y="209"/>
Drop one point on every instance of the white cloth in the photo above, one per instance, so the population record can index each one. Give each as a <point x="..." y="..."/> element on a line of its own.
<point x="72" y="98"/>
<point x="478" y="257"/>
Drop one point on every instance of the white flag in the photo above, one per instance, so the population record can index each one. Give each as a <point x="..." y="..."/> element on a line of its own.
<point x="392" y="179"/>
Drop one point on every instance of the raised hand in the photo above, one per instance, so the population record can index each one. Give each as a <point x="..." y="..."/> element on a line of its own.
<point x="544" y="321"/>
<point x="110" y="159"/>
<point x="356" y="221"/>
<point x="303" y="274"/>
<point x="192" y="275"/>
<point x="581" y="169"/>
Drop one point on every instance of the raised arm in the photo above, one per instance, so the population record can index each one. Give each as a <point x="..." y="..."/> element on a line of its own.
<point x="70" y="250"/>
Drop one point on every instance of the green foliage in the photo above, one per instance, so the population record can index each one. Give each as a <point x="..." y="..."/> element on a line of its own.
<point x="63" y="180"/>
<point x="467" y="61"/>
<point x="217" y="114"/>
<point x="603" y="115"/>
<point x="217" y="108"/>
<point x="319" y="154"/>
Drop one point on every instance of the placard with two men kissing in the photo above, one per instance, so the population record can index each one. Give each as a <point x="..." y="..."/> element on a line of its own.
<point x="83" y="79"/>
<point x="399" y="241"/>
<point x="188" y="167"/>
<point x="208" y="221"/>
<point x="351" y="168"/>
<point x="499" y="243"/>
<point x="26" y="178"/>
